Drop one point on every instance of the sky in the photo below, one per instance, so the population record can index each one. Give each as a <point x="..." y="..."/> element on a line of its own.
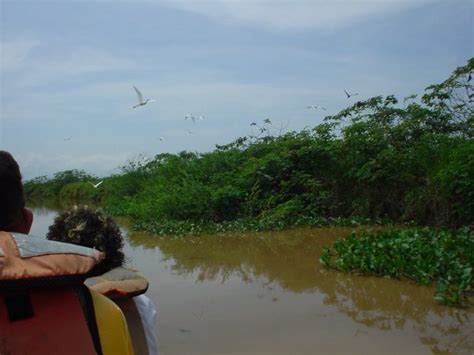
<point x="68" y="68"/>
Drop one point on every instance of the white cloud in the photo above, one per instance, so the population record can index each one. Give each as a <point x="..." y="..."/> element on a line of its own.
<point x="293" y="14"/>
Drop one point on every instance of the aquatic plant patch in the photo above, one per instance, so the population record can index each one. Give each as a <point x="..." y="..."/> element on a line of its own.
<point x="424" y="255"/>
<point x="257" y="224"/>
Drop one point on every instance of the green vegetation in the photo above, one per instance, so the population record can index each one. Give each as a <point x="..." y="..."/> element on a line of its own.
<point x="70" y="184"/>
<point x="246" y="224"/>
<point x="423" y="255"/>
<point x="376" y="160"/>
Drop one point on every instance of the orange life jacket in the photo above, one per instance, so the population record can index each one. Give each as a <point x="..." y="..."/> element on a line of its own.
<point x="44" y="306"/>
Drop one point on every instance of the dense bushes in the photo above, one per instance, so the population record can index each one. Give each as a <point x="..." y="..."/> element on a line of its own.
<point x="69" y="184"/>
<point x="377" y="159"/>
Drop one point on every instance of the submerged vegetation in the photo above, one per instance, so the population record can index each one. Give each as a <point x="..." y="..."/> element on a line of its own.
<point x="378" y="160"/>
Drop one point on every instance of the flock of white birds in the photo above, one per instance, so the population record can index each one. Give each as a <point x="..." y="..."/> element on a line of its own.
<point x="142" y="102"/>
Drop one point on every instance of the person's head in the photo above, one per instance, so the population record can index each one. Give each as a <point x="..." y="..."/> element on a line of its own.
<point x="90" y="228"/>
<point x="14" y="217"/>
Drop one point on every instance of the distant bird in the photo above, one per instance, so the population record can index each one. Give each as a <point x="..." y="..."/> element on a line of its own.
<point x="161" y="139"/>
<point x="200" y="118"/>
<point x="349" y="95"/>
<point x="190" y="117"/>
<point x="253" y="124"/>
<point x="68" y="138"/>
<point x="316" y="107"/>
<point x="141" y="102"/>
<point x="267" y="120"/>
<point x="96" y="185"/>
<point x="189" y="131"/>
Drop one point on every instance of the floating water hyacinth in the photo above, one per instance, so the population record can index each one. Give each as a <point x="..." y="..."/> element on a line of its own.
<point x="424" y="255"/>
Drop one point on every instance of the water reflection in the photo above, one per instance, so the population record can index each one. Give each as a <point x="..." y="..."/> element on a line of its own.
<point x="267" y="293"/>
<point x="289" y="260"/>
<point x="389" y="305"/>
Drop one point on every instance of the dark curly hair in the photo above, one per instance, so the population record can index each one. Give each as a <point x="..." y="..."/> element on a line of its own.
<point x="90" y="228"/>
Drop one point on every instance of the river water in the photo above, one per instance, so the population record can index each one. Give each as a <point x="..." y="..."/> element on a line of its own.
<point x="266" y="293"/>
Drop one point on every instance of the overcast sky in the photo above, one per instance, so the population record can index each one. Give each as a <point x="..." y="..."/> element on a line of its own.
<point x="68" y="70"/>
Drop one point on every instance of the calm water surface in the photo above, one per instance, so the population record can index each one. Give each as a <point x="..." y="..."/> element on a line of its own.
<point x="266" y="293"/>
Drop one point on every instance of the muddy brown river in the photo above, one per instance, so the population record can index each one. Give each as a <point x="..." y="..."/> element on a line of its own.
<point x="266" y="293"/>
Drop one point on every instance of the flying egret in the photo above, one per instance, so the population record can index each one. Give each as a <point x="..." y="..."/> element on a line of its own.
<point x="190" y="116"/>
<point x="200" y="118"/>
<point x="349" y="95"/>
<point x="316" y="107"/>
<point x="96" y="185"/>
<point x="161" y="139"/>
<point x="141" y="102"/>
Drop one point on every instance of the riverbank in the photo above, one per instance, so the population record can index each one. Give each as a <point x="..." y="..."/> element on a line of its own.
<point x="379" y="159"/>
<point x="196" y="227"/>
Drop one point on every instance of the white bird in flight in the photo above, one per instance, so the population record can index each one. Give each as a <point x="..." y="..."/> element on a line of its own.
<point x="141" y="102"/>
<point x="316" y="107"/>
<point x="96" y="185"/>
